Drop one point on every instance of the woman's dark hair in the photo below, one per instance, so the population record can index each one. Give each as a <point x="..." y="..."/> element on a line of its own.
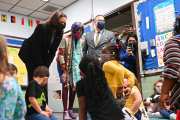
<point x="77" y="26"/>
<point x="177" y="26"/>
<point x="113" y="50"/>
<point x="95" y="83"/>
<point x="41" y="71"/>
<point x="54" y="19"/>
<point x="135" y="46"/>
<point x="131" y="35"/>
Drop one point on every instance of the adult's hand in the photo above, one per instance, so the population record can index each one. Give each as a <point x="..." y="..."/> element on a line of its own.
<point x="65" y="77"/>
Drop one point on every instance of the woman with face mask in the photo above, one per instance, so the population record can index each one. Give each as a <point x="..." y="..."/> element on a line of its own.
<point x="69" y="56"/>
<point x="41" y="46"/>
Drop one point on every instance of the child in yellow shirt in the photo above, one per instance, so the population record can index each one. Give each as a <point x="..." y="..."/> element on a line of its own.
<point x="115" y="73"/>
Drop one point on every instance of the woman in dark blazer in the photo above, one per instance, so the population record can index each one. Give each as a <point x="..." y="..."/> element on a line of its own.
<point x="40" y="47"/>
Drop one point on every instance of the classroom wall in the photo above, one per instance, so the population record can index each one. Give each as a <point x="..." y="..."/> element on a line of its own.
<point x="16" y="29"/>
<point x="82" y="9"/>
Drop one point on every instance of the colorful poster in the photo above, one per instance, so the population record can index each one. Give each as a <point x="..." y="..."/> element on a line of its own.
<point x="164" y="16"/>
<point x="30" y="22"/>
<point x="13" y="19"/>
<point x="22" y="21"/>
<point x="4" y="18"/>
<point x="14" y="59"/>
<point x="160" y="42"/>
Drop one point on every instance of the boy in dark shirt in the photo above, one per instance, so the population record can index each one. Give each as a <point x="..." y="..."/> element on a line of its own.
<point x="37" y="108"/>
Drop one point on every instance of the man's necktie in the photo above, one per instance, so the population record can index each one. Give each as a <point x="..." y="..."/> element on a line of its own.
<point x="97" y="39"/>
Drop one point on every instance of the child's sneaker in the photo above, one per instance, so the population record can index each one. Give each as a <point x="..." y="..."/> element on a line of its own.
<point x="66" y="115"/>
<point x="71" y="114"/>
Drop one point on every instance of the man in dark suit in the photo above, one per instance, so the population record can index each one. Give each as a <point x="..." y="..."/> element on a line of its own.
<point x="97" y="39"/>
<point x="40" y="47"/>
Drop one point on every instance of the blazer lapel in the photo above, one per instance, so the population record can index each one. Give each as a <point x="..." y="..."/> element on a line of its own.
<point x="102" y="38"/>
<point x="91" y="39"/>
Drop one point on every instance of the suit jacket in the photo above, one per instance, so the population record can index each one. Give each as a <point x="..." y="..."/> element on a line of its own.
<point x="41" y="46"/>
<point x="89" y="45"/>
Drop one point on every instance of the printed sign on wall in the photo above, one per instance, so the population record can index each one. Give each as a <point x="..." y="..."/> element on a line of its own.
<point x="160" y="43"/>
<point x="164" y="16"/>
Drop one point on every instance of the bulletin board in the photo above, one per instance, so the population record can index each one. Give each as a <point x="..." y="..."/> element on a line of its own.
<point x="13" y="48"/>
<point x="156" y="19"/>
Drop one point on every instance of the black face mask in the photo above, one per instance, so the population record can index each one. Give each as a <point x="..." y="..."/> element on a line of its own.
<point x="61" y="26"/>
<point x="100" y="25"/>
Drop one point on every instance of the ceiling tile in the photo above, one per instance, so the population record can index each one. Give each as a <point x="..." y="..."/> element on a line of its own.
<point x="5" y="7"/>
<point x="31" y="4"/>
<point x="40" y="15"/>
<point x="62" y="2"/>
<point x="21" y="10"/>
<point x="49" y="8"/>
<point x="9" y="1"/>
